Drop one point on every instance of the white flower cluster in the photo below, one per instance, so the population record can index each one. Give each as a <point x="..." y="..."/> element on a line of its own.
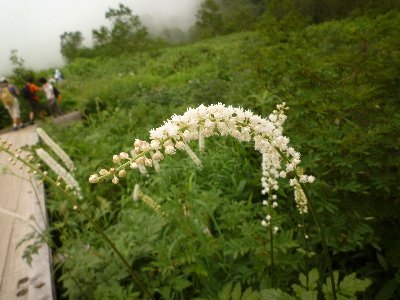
<point x="204" y="121"/>
<point x="300" y="199"/>
<point x="56" y="148"/>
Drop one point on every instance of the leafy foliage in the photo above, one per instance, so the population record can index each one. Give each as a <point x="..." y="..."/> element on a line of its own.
<point x="341" y="81"/>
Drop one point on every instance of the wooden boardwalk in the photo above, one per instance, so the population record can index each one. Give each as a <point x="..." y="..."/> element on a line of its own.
<point x="20" y="198"/>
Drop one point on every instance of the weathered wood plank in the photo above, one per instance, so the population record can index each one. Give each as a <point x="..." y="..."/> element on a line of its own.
<point x="20" y="194"/>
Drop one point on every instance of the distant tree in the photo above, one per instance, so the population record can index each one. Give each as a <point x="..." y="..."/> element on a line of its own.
<point x="71" y="44"/>
<point x="174" y="35"/>
<point x="240" y="20"/>
<point x="126" y="34"/>
<point x="20" y="72"/>
<point x="209" y="18"/>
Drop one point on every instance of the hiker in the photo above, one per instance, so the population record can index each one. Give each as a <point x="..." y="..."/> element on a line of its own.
<point x="33" y="100"/>
<point x="58" y="76"/>
<point x="51" y="97"/>
<point x="9" y="96"/>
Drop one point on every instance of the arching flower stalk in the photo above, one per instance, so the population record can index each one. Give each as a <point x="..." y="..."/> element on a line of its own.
<point x="215" y="120"/>
<point x="278" y="158"/>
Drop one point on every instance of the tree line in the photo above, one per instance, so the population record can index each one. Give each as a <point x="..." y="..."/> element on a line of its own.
<point x="127" y="34"/>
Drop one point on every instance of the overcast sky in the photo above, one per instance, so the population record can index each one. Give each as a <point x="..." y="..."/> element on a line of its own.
<point x="34" y="27"/>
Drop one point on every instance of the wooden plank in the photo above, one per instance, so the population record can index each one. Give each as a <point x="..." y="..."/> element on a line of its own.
<point x="21" y="195"/>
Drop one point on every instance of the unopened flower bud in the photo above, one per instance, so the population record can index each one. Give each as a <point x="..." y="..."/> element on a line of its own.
<point x="112" y="170"/>
<point x="94" y="178"/>
<point x="140" y="160"/>
<point x="115" y="180"/>
<point x="103" y="172"/>
<point x="122" y="173"/>
<point x="124" y="155"/>
<point x="134" y="165"/>
<point x="116" y="159"/>
<point x="137" y="143"/>
<point x="148" y="162"/>
<point x="158" y="156"/>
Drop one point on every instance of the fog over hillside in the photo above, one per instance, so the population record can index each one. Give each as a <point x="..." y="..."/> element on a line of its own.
<point x="34" y="29"/>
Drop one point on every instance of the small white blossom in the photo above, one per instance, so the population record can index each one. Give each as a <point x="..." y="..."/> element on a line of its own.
<point x="170" y="149"/>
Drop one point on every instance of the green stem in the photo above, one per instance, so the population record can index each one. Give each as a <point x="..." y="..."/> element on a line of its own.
<point x="271" y="236"/>
<point x="95" y="225"/>
<point x="319" y="225"/>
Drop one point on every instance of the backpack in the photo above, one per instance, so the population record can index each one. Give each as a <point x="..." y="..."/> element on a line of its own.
<point x="26" y="92"/>
<point x="57" y="93"/>
<point x="8" y="98"/>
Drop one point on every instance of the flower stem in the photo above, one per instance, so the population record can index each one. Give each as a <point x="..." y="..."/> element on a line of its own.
<point x="271" y="236"/>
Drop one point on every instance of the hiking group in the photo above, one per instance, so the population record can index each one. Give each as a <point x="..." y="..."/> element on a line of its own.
<point x="9" y="93"/>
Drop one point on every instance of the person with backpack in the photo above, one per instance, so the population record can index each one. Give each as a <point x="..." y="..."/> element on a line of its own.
<point x="8" y="93"/>
<point x="29" y="93"/>
<point x="51" y="95"/>
<point x="58" y="76"/>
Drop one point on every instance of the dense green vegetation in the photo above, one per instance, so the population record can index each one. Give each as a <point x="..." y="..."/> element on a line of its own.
<point x="341" y="80"/>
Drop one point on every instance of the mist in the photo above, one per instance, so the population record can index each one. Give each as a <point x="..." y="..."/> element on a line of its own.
<point x="34" y="28"/>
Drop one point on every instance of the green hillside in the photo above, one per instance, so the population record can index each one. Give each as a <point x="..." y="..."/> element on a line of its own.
<point x="196" y="233"/>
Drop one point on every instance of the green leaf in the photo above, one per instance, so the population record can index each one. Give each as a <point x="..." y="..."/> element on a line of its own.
<point x="241" y="186"/>
<point x="327" y="287"/>
<point x="309" y="295"/>
<point x="303" y="280"/>
<point x="387" y="290"/>
<point x="237" y="292"/>
<point x="313" y="276"/>
<point x="271" y="294"/>
<point x="299" y="290"/>
<point x="225" y="294"/>
<point x="249" y="294"/>
<point x="350" y="285"/>
<point x="382" y="261"/>
<point x="181" y="283"/>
